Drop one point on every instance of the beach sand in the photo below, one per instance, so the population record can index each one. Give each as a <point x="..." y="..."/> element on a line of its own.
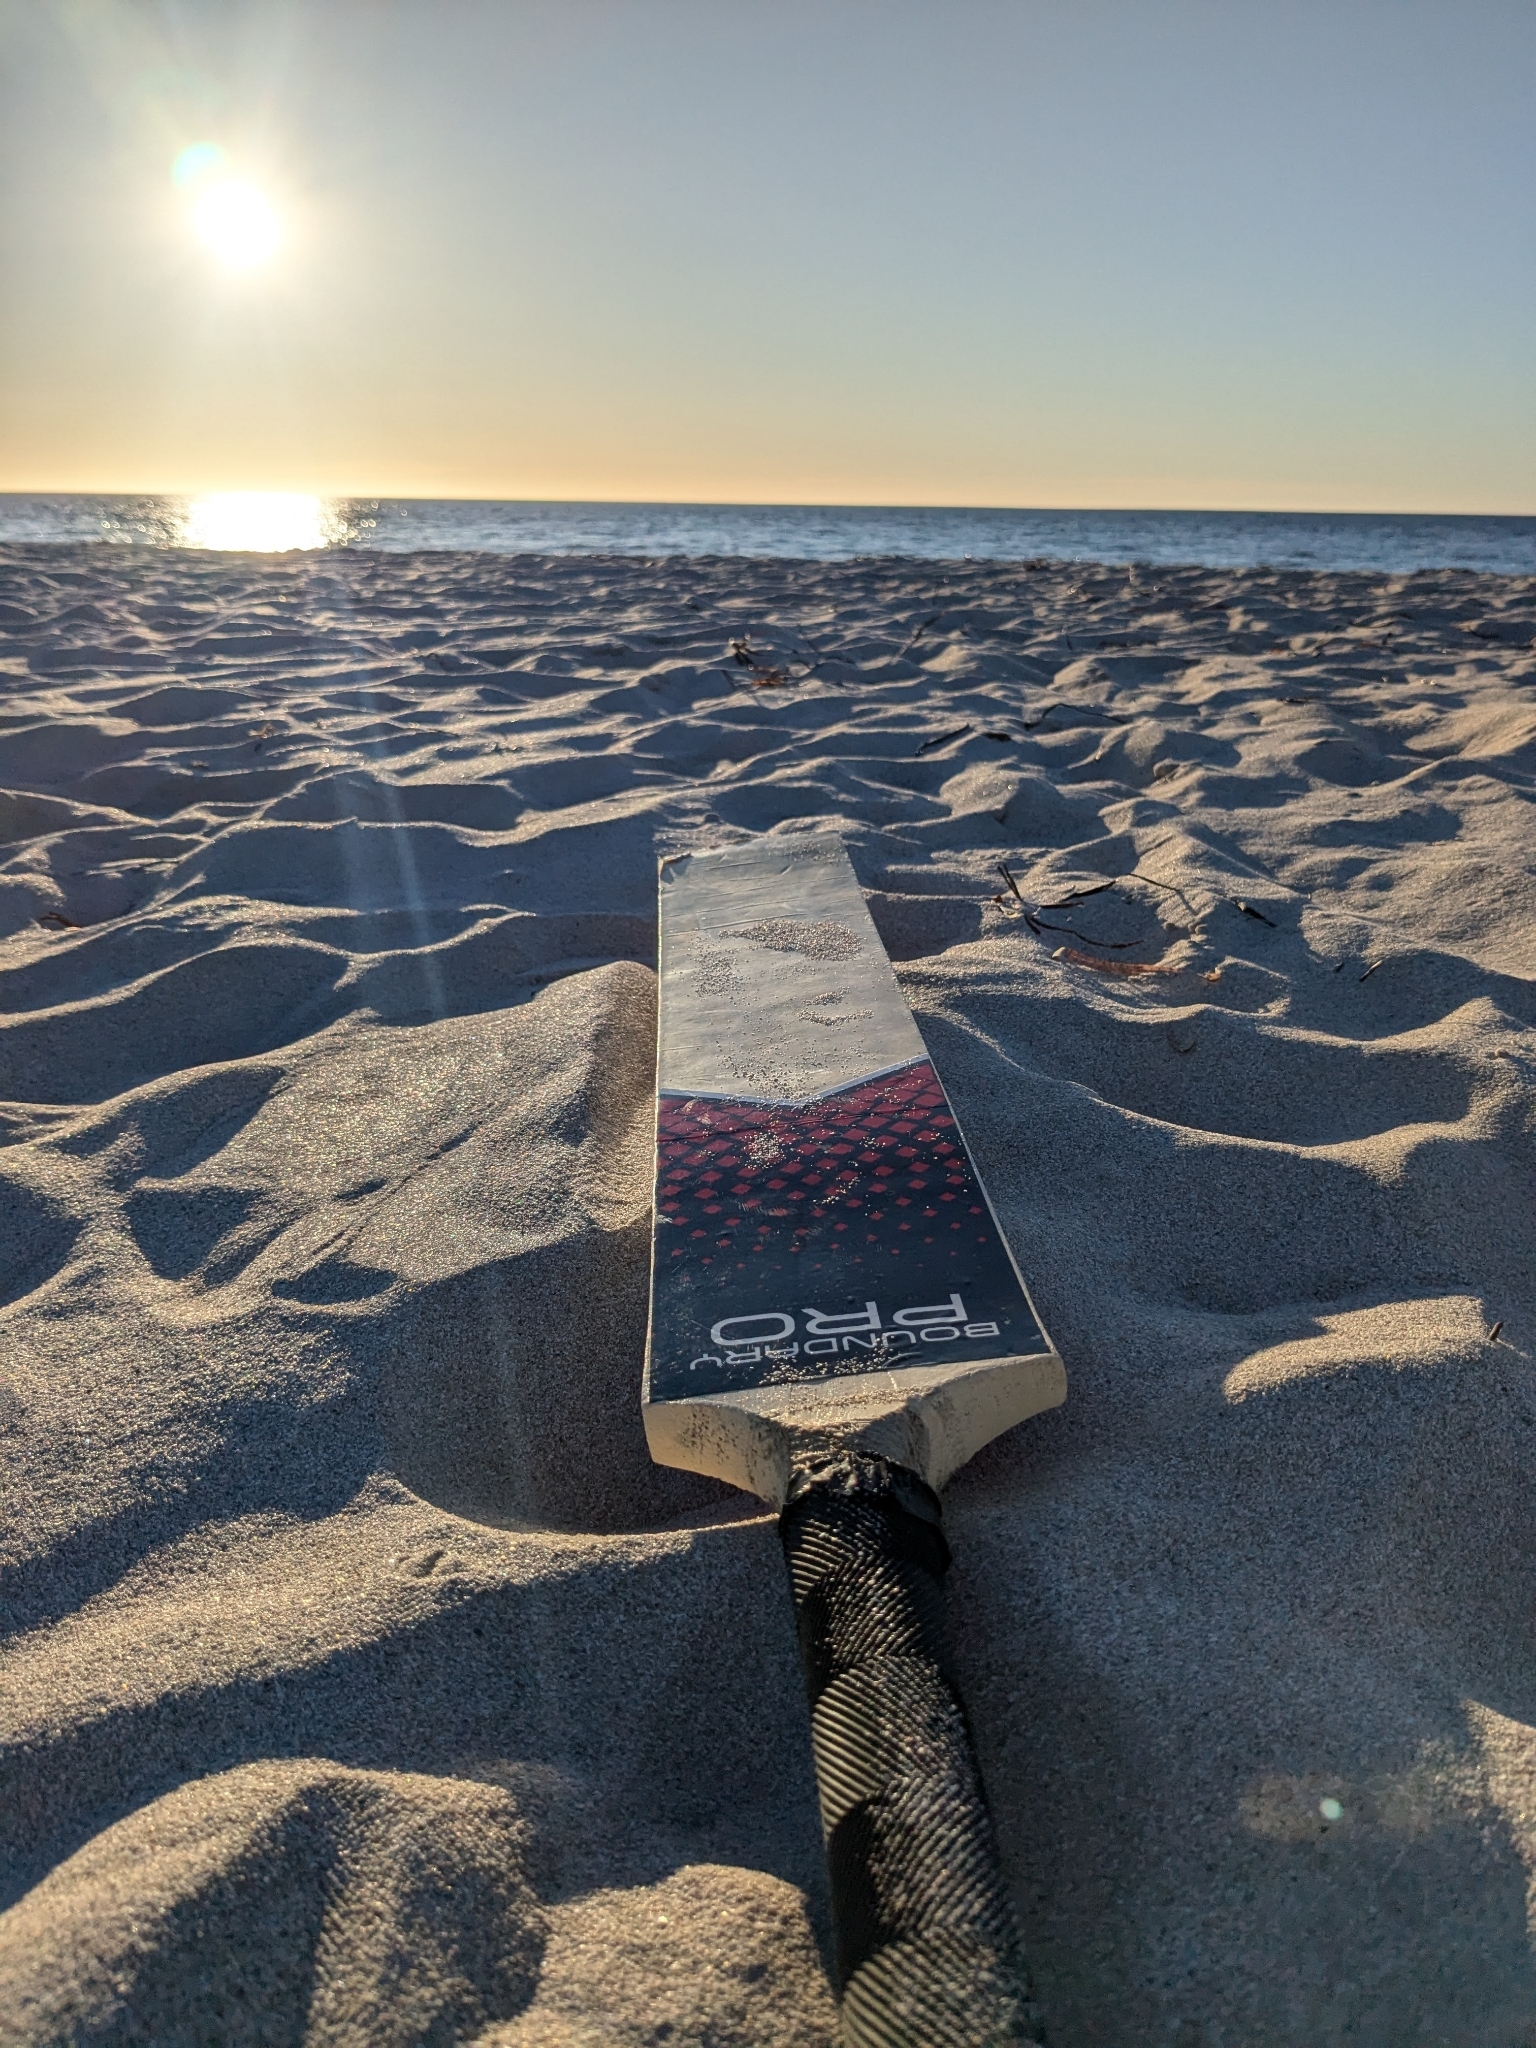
<point x="363" y="1682"/>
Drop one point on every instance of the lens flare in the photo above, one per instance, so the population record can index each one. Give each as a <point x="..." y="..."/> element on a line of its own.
<point x="197" y="161"/>
<point x="257" y="522"/>
<point x="237" y="222"/>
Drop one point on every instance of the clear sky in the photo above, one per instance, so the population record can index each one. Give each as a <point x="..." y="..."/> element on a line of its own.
<point x="977" y="252"/>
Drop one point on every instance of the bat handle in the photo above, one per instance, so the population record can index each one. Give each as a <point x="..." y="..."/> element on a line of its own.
<point x="927" y="1949"/>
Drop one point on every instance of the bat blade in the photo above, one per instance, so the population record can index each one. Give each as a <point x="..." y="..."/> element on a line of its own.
<point x="826" y="1266"/>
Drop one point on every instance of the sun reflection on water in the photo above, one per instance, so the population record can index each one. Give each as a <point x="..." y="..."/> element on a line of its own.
<point x="261" y="522"/>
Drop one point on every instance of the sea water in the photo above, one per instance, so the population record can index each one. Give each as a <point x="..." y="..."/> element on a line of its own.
<point x="268" y="521"/>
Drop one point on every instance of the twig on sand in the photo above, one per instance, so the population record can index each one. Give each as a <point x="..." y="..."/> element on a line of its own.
<point x="1109" y="945"/>
<point x="1038" y="924"/>
<point x="1121" y="967"/>
<point x="942" y="739"/>
<point x="1092" y="710"/>
<point x="1078" y="896"/>
<point x="759" y="675"/>
<point x="1018" y="907"/>
<point x="1493" y="1334"/>
<point x="1137" y="876"/>
<point x="922" y="629"/>
<point x="1370" y="970"/>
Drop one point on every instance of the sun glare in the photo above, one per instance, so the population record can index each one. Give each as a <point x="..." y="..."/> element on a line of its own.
<point x="237" y="222"/>
<point x="256" y="522"/>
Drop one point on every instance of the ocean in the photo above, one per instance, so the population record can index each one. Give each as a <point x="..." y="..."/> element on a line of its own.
<point x="270" y="521"/>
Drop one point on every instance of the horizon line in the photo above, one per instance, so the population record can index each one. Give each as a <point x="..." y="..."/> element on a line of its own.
<point x="780" y="504"/>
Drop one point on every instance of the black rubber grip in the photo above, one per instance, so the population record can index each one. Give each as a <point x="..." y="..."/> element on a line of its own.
<point x="927" y="1948"/>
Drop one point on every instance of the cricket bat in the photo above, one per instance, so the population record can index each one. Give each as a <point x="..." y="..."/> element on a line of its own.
<point x="837" y="1323"/>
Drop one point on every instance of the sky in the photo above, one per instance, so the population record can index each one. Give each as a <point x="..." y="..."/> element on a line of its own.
<point x="1160" y="253"/>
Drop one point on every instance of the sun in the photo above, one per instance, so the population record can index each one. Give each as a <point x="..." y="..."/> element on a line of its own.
<point x="238" y="222"/>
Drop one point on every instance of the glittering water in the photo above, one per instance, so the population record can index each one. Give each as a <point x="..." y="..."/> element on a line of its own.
<point x="264" y="521"/>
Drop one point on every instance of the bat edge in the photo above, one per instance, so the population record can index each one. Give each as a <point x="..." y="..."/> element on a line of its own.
<point x="931" y="1419"/>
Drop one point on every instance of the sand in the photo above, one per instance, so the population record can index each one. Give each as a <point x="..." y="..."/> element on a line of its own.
<point x="363" y="1683"/>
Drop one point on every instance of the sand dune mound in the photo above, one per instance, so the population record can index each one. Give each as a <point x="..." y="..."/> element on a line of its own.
<point x="283" y="1902"/>
<point x="365" y="1682"/>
